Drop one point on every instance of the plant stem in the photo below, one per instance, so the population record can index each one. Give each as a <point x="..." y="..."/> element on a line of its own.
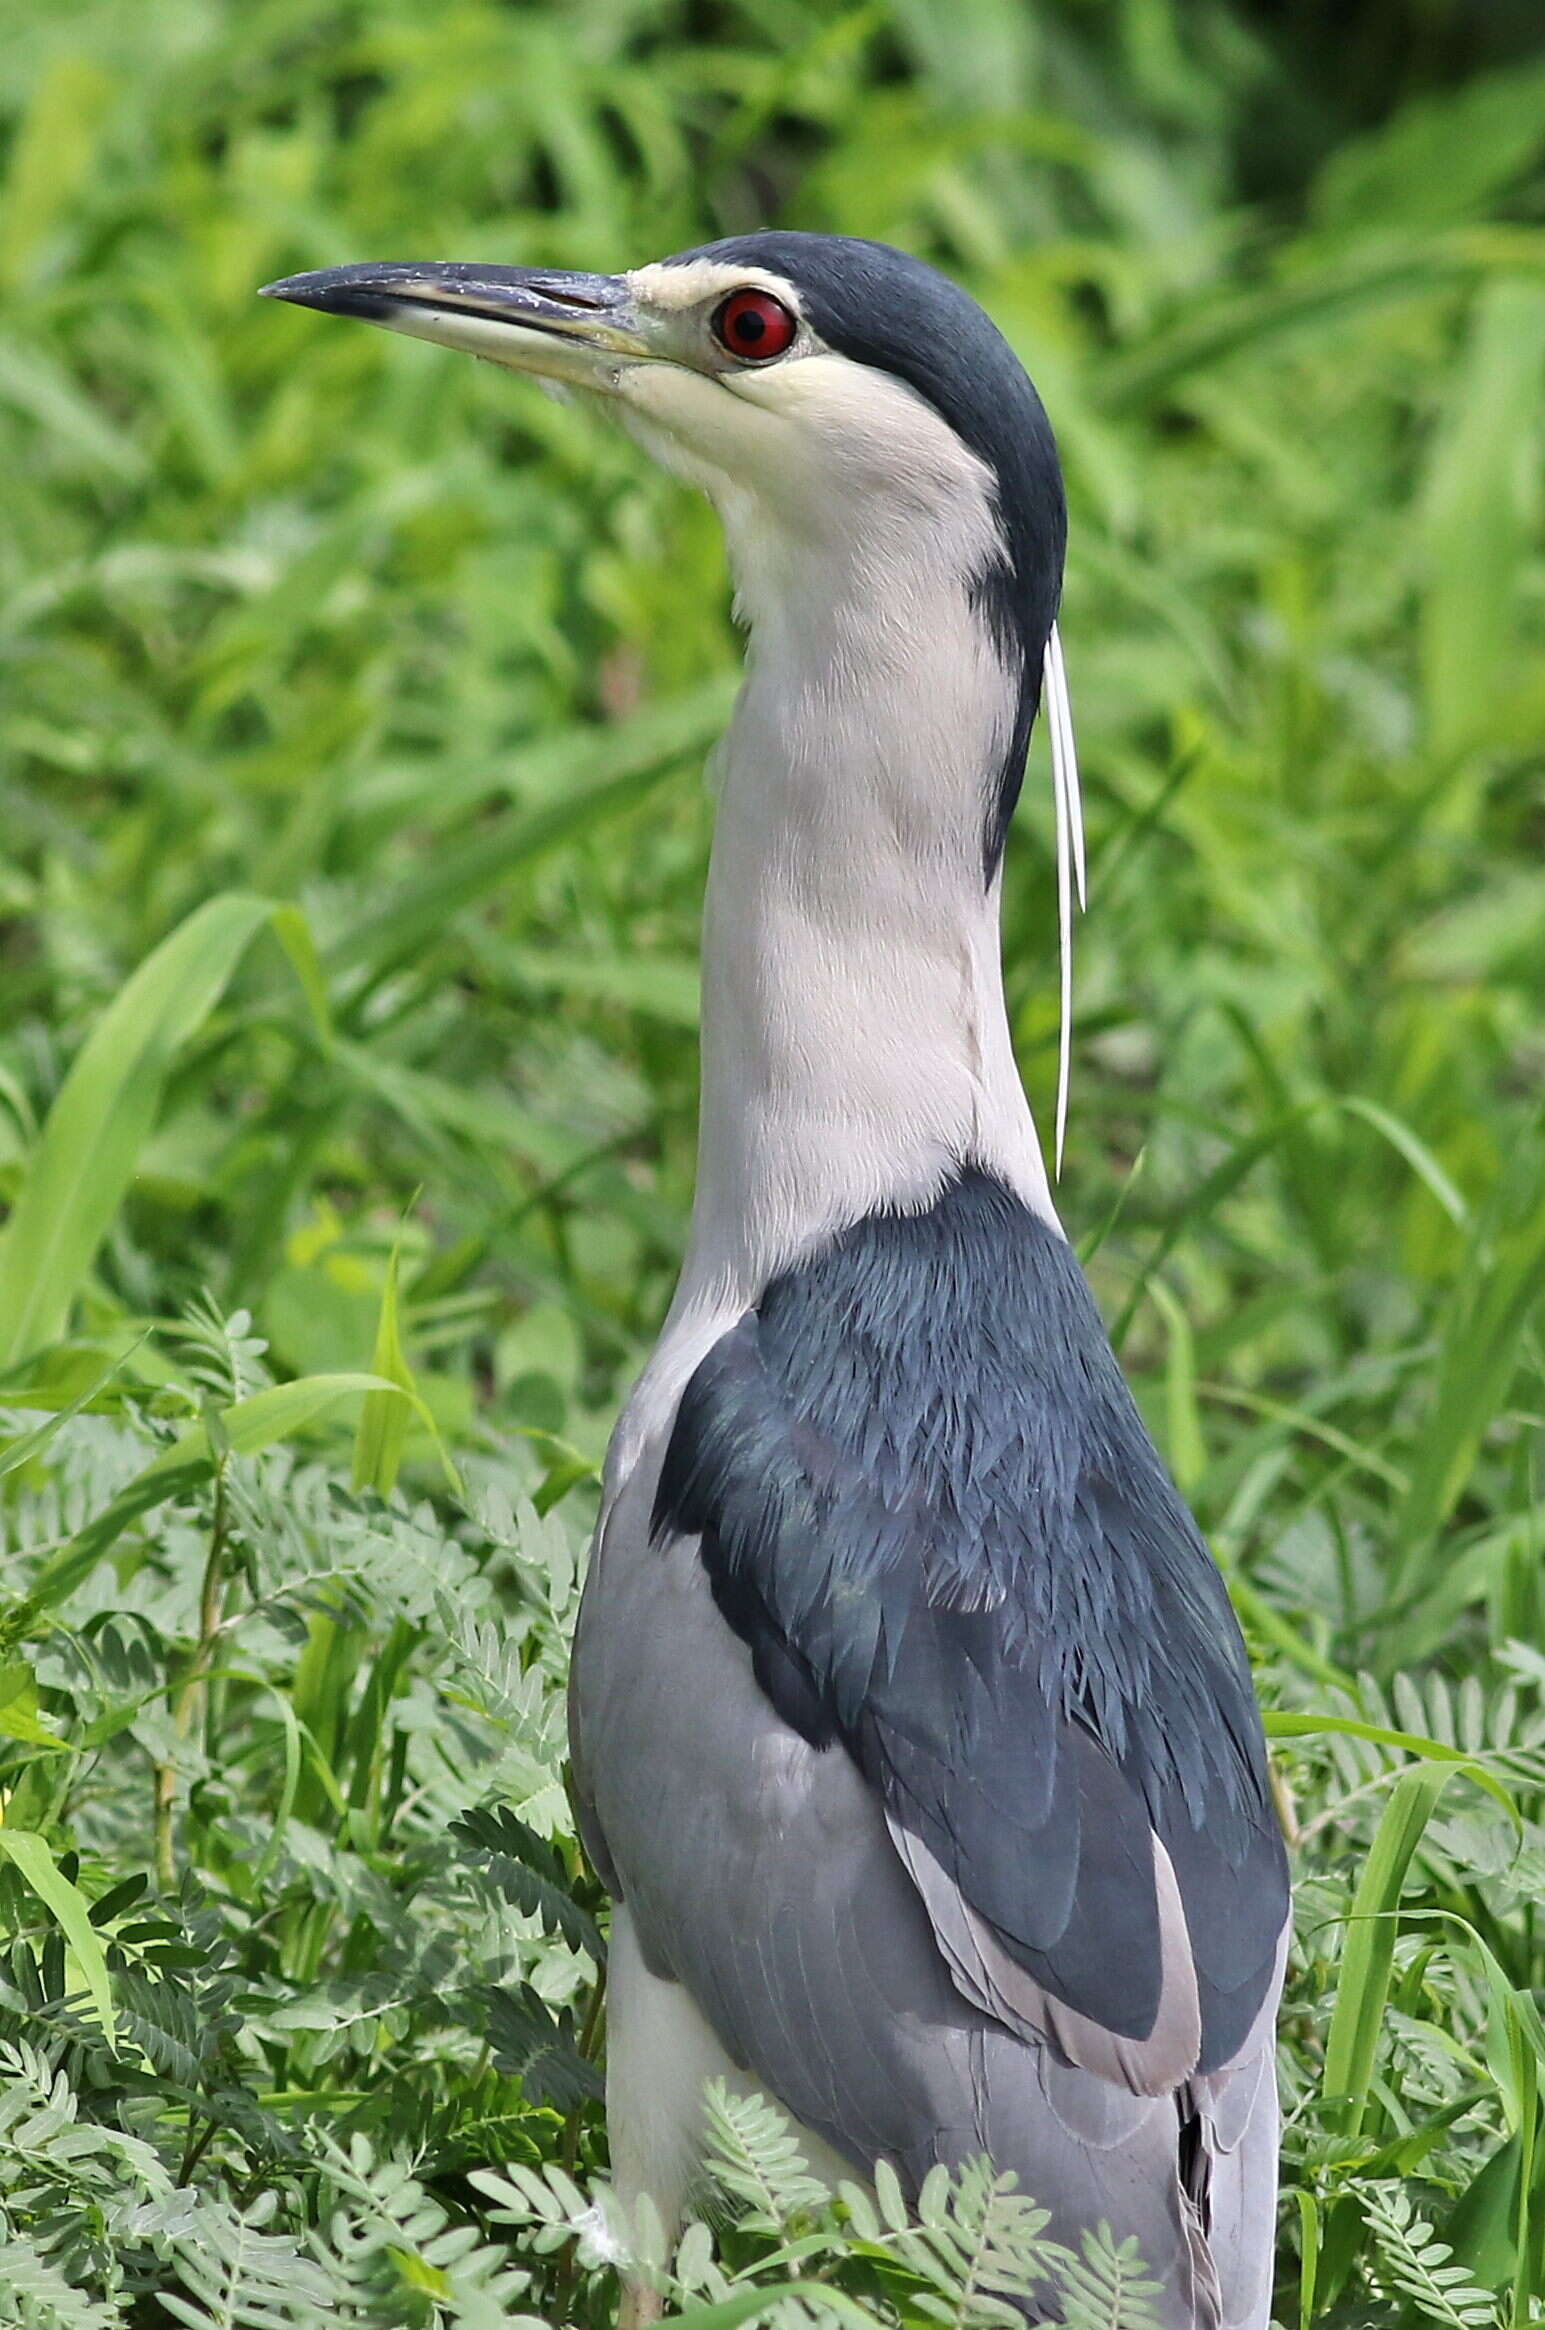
<point x="194" y="2149"/>
<point x="189" y="1695"/>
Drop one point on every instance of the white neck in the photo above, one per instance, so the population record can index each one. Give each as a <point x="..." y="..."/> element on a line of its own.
<point x="856" y="1048"/>
<point x="855" y="1043"/>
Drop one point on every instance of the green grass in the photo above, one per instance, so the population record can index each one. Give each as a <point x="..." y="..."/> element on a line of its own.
<point x="352" y="710"/>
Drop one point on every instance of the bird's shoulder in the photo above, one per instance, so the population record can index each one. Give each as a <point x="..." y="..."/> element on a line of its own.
<point x="926" y="1502"/>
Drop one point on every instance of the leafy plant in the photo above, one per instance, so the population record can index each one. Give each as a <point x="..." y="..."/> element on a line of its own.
<point x="352" y="864"/>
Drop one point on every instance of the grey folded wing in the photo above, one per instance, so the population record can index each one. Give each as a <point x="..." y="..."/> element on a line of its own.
<point x="760" y="1872"/>
<point x="921" y="1741"/>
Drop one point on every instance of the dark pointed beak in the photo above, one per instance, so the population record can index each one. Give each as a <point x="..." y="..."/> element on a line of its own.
<point x="582" y="329"/>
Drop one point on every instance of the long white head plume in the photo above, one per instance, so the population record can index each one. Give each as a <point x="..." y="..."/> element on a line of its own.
<point x="1070" y="855"/>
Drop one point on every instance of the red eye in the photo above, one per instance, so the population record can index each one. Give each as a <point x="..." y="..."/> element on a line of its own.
<point x="754" y="326"/>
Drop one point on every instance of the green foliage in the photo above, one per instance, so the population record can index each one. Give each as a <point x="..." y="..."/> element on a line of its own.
<point x="1416" y="2268"/>
<point x="350" y="873"/>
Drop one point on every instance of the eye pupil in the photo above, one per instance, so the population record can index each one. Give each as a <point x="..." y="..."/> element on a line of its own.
<point x="755" y="325"/>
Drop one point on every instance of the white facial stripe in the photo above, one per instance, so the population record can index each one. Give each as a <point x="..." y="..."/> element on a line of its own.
<point x="670" y="290"/>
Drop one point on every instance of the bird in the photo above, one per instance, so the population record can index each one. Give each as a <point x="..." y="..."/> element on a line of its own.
<point x="913" y="1734"/>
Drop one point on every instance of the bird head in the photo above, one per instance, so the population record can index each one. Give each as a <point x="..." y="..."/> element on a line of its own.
<point x="836" y="398"/>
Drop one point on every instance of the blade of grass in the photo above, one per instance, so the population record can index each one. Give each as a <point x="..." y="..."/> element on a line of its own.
<point x="86" y="1153"/>
<point x="31" y="1443"/>
<point x="33" y="1860"/>
<point x="1501" y="1283"/>
<point x="1270" y="1626"/>
<point x="1185" y="1447"/>
<point x="1247" y="323"/>
<point x="1208" y="1193"/>
<point x="383" y="1419"/>
<point x="1415" y="1152"/>
<point x="1368" y="1956"/>
<point x="1280" y="1725"/>
<point x="1478" y="521"/>
<point x="1308" y="2256"/>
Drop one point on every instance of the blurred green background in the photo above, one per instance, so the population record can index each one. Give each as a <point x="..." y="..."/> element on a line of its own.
<point x="298" y="610"/>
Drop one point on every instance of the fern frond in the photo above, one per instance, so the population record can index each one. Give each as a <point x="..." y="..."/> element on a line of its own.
<point x="976" y="2246"/>
<point x="536" y="2045"/>
<point x="236" y="2275"/>
<point x="392" y="2245"/>
<point x="1412" y="2264"/>
<point x="36" y="2295"/>
<point x="530" y="1871"/>
<point x="1106" y="2288"/>
<point x="755" y="2159"/>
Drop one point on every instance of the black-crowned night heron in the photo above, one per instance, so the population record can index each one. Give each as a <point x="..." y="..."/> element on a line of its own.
<point x="914" y="1732"/>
